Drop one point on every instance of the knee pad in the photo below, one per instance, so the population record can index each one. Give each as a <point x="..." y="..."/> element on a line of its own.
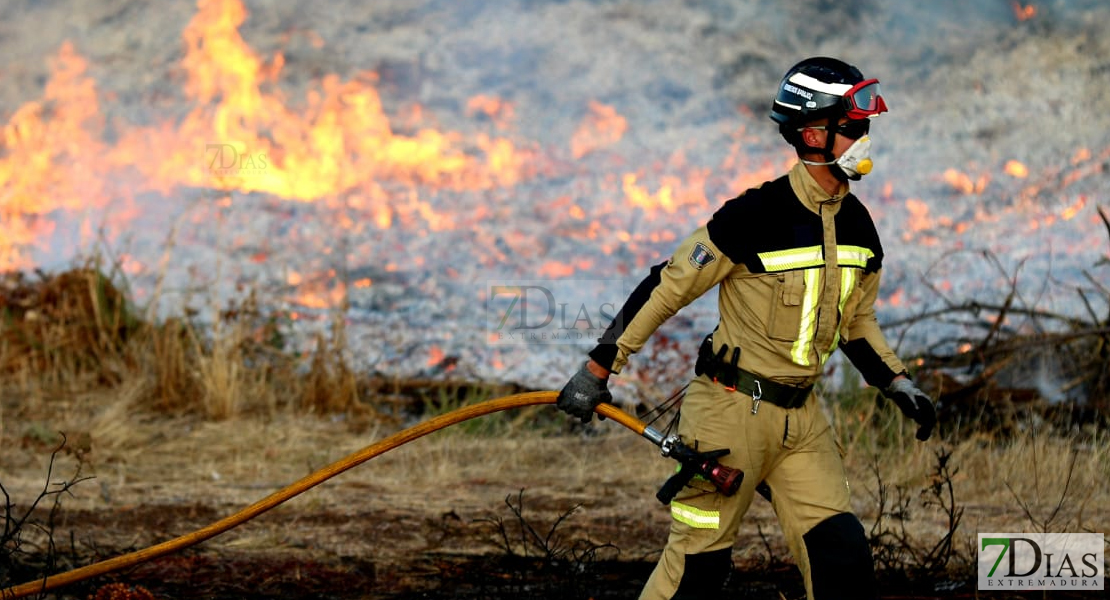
<point x="840" y="562"/>
<point x="705" y="575"/>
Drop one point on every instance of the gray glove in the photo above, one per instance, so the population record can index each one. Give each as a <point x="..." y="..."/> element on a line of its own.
<point x="582" y="394"/>
<point x="914" y="404"/>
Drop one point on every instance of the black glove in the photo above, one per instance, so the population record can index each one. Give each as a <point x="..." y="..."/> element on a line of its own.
<point x="583" y="393"/>
<point x="914" y="404"/>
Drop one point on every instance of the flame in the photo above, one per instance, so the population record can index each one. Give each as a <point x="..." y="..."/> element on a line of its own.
<point x="51" y="159"/>
<point x="1016" y="169"/>
<point x="340" y="142"/>
<point x="601" y="128"/>
<point x="964" y="182"/>
<point x="1070" y="212"/>
<point x="495" y="109"/>
<point x="337" y="147"/>
<point x="240" y="135"/>
<point x="435" y="356"/>
<point x="919" y="217"/>
<point x="1023" y="12"/>
<point x="898" y="298"/>
<point x="1081" y="155"/>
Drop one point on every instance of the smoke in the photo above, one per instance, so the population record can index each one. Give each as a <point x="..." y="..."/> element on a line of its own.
<point x="971" y="86"/>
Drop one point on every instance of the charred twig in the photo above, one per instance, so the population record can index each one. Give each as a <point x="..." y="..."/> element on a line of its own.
<point x="15" y="561"/>
<point x="975" y="308"/>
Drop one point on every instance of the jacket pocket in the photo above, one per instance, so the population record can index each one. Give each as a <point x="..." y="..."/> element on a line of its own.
<point x="786" y="306"/>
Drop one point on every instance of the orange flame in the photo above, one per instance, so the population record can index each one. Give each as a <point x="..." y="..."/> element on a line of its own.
<point x="51" y="159"/>
<point x="964" y="182"/>
<point x="1016" y="169"/>
<point x="496" y="109"/>
<point x="1023" y="12"/>
<point x="342" y="142"/>
<point x="602" y="127"/>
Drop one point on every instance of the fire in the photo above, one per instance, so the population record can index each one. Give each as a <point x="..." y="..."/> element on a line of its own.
<point x="1070" y="212"/>
<point x="51" y="159"/>
<point x="336" y="146"/>
<point x="340" y="143"/>
<point x="601" y="128"/>
<point x="238" y="133"/>
<point x="1023" y="12"/>
<point x="964" y="182"/>
<point x="1016" y="169"/>
<point x="898" y="298"/>
<point x="1081" y="155"/>
<point x="435" y="356"/>
<point x="919" y="216"/>
<point x="494" y="108"/>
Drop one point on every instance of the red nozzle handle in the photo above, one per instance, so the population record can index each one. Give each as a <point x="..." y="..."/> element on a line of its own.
<point x="726" y="479"/>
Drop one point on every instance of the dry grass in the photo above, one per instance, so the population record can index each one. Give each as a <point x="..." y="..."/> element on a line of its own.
<point x="167" y="415"/>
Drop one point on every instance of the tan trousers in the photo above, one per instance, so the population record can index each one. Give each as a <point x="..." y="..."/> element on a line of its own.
<point x="794" y="451"/>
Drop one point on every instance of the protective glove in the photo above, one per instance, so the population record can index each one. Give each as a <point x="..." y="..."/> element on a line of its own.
<point x="583" y="393"/>
<point x="914" y="404"/>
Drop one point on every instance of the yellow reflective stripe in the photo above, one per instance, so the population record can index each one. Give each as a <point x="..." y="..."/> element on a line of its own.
<point x="695" y="517"/>
<point x="794" y="258"/>
<point x="799" y="352"/>
<point x="853" y="256"/>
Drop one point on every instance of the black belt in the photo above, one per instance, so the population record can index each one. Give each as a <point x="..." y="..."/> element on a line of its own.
<point x="734" y="378"/>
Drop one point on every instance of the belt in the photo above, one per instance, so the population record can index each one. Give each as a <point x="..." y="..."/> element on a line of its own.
<point x="779" y="394"/>
<point x="734" y="378"/>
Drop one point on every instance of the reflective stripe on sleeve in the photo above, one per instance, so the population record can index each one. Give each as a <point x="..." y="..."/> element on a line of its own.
<point x="695" y="517"/>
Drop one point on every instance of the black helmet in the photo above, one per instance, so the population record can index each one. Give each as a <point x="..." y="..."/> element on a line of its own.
<point x="824" y="88"/>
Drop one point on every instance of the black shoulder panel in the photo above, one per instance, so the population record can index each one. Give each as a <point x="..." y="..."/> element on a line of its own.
<point x="763" y="219"/>
<point x="854" y="227"/>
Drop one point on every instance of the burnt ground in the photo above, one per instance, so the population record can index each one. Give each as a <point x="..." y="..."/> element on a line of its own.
<point x="528" y="513"/>
<point x="422" y="556"/>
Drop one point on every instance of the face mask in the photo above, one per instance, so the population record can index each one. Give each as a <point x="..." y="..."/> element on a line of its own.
<point x="853" y="164"/>
<point x="856" y="160"/>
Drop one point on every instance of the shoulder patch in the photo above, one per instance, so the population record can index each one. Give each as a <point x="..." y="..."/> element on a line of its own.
<point x="701" y="255"/>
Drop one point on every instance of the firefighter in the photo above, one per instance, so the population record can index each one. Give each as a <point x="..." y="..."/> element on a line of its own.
<point x="797" y="262"/>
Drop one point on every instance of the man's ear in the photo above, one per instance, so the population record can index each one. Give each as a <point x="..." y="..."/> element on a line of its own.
<point x="812" y="137"/>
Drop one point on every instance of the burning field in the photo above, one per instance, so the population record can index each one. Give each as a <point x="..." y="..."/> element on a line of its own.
<point x="361" y="177"/>
<point x="388" y="161"/>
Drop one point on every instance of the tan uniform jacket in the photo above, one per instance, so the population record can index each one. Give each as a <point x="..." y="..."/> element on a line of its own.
<point x="798" y="272"/>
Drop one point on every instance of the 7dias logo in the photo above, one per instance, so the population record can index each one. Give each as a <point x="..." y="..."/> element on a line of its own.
<point x="550" y="312"/>
<point x="1041" y="561"/>
<point x="229" y="160"/>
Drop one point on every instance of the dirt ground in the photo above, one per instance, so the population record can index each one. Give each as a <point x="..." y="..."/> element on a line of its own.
<point x="423" y="521"/>
<point x="547" y="514"/>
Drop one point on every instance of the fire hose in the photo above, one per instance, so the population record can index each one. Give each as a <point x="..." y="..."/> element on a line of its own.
<point x="692" y="464"/>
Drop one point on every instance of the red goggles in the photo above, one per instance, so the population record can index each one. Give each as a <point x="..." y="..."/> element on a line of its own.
<point x="863" y="100"/>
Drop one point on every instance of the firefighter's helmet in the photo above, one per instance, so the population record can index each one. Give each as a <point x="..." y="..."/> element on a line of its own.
<point x="824" y="88"/>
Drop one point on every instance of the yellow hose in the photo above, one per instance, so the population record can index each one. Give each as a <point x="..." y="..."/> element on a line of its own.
<point x="294" y="489"/>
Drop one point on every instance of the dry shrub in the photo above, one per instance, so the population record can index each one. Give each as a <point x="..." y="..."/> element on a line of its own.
<point x="171" y="366"/>
<point x="1019" y="363"/>
<point x="76" y="332"/>
<point x="72" y="325"/>
<point x="330" y="385"/>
